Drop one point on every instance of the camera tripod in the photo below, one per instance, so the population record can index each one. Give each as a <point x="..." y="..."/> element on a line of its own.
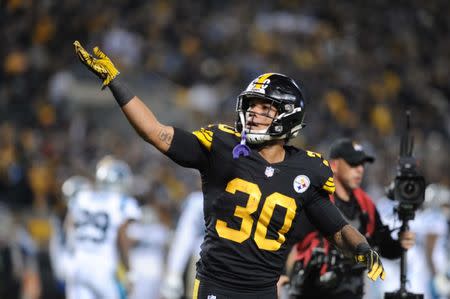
<point x="402" y="293"/>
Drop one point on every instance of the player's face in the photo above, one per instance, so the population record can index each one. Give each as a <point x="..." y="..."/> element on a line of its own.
<point x="349" y="176"/>
<point x="260" y="114"/>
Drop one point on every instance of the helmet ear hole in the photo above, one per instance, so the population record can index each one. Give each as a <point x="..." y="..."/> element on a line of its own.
<point x="289" y="108"/>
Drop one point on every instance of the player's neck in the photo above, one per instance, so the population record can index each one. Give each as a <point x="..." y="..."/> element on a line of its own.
<point x="273" y="153"/>
<point x="341" y="191"/>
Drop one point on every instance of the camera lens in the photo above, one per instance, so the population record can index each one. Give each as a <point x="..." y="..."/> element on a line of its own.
<point x="410" y="190"/>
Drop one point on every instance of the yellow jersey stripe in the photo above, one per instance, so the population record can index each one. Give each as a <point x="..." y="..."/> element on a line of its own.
<point x="313" y="154"/>
<point x="229" y="130"/>
<point x="330" y="179"/>
<point x="205" y="138"/>
<point x="329" y="184"/>
<point x="329" y="189"/>
<point x="208" y="134"/>
<point x="195" y="291"/>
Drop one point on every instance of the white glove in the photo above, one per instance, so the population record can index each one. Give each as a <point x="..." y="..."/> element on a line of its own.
<point x="172" y="286"/>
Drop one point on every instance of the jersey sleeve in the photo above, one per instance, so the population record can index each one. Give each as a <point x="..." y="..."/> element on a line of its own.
<point x="130" y="208"/>
<point x="323" y="176"/>
<point x="190" y="149"/>
<point x="198" y="149"/>
<point x="323" y="214"/>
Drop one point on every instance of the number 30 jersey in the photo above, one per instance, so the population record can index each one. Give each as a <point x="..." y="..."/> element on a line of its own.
<point x="252" y="208"/>
<point x="96" y="217"/>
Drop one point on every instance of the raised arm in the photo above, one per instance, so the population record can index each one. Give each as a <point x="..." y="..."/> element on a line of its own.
<point x="138" y="114"/>
<point x="146" y="125"/>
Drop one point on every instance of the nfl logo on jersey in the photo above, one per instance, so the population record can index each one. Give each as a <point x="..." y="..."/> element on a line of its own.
<point x="269" y="171"/>
<point x="211" y="297"/>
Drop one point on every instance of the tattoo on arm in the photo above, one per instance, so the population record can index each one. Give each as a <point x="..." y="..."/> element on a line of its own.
<point x="165" y="136"/>
<point x="338" y="238"/>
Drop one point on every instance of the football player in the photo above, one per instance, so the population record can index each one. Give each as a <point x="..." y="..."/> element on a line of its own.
<point x="254" y="184"/>
<point x="60" y="245"/>
<point x="99" y="219"/>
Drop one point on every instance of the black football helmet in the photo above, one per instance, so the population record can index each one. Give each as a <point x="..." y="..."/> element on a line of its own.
<point x="285" y="95"/>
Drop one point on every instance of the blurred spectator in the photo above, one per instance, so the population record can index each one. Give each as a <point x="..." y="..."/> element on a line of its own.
<point x="19" y="271"/>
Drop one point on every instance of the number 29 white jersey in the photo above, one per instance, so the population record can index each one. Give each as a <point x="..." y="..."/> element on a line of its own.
<point x="97" y="216"/>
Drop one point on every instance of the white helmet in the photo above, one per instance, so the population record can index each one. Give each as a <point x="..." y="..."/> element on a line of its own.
<point x="75" y="184"/>
<point x="437" y="196"/>
<point x="112" y="174"/>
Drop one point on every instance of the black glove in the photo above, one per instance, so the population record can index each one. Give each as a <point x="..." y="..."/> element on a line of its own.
<point x="371" y="259"/>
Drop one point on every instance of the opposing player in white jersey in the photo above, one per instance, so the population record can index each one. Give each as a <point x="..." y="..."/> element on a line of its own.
<point x="185" y="246"/>
<point x="100" y="219"/>
<point x="60" y="249"/>
<point x="439" y="196"/>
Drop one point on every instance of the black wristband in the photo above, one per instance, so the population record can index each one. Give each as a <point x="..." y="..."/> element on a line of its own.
<point x="120" y="91"/>
<point x="362" y="248"/>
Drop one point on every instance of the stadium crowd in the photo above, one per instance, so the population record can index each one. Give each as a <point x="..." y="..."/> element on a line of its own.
<point x="362" y="65"/>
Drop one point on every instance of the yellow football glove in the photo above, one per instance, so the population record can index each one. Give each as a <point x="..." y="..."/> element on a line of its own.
<point x="102" y="66"/>
<point x="371" y="259"/>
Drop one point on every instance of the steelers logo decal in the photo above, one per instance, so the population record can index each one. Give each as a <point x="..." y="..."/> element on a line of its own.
<point x="260" y="84"/>
<point x="301" y="183"/>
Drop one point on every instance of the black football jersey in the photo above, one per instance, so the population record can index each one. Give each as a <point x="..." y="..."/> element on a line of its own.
<point x="252" y="208"/>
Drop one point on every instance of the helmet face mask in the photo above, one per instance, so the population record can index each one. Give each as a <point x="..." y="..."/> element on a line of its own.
<point x="282" y="93"/>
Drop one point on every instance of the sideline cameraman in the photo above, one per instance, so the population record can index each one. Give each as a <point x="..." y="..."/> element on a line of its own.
<point x="426" y="262"/>
<point x="319" y="270"/>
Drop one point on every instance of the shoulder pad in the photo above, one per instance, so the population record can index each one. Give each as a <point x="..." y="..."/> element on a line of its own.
<point x="205" y="135"/>
<point x="324" y="175"/>
<point x="80" y="196"/>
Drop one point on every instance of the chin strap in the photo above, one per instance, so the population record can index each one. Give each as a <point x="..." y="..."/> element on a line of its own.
<point x="241" y="149"/>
